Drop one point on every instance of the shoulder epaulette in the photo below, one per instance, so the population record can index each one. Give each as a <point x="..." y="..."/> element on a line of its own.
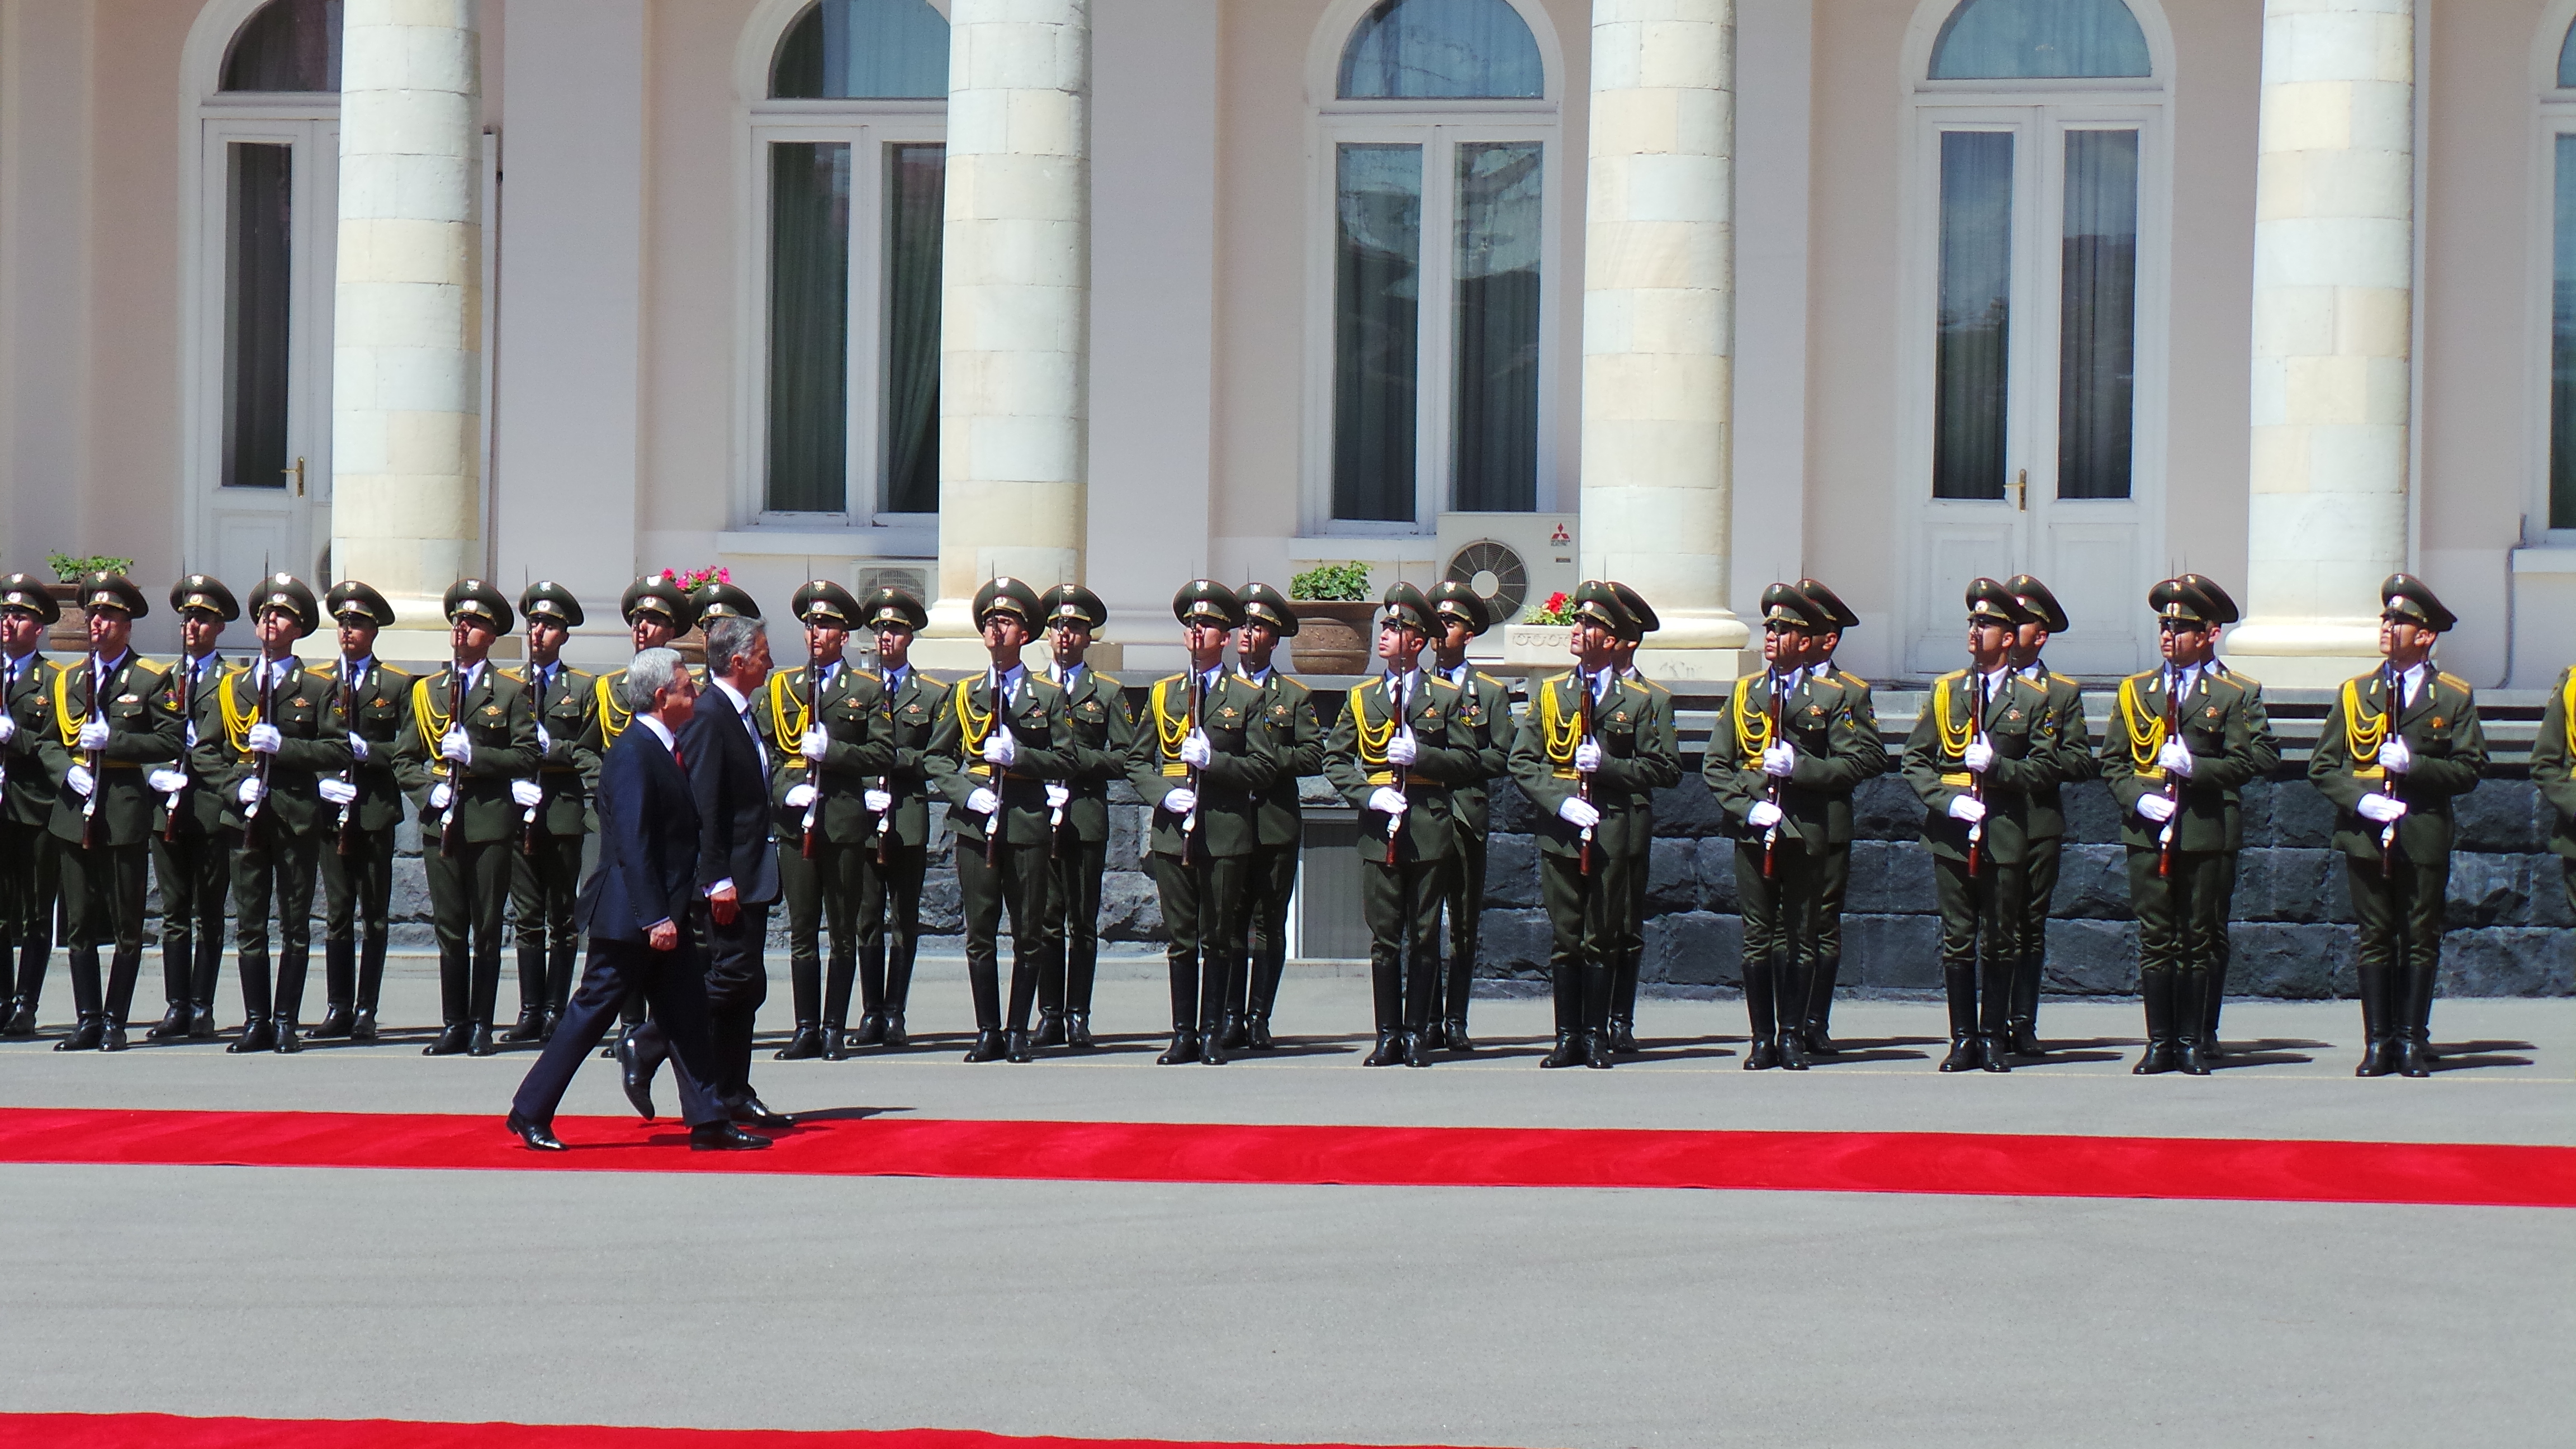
<point x="1110" y="680"/>
<point x="1846" y="677"/>
<point x="1169" y="679"/>
<point x="2456" y="682"/>
<point x="1489" y="679"/>
<point x="2065" y="680"/>
<point x="2245" y="681"/>
<point x="514" y="675"/>
<point x="1953" y="674"/>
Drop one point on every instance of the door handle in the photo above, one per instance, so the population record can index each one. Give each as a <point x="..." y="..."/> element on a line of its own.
<point x="297" y="473"/>
<point x="2021" y="486"/>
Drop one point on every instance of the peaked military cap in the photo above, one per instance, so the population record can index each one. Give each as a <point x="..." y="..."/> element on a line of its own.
<point x="1205" y="601"/>
<point x="1405" y="607"/>
<point x="1990" y="602"/>
<point x="825" y="602"/>
<point x="349" y="597"/>
<point x="1263" y="604"/>
<point x="2184" y="600"/>
<point x="207" y="594"/>
<point x="1599" y="602"/>
<point x="1003" y="594"/>
<point x="2223" y="609"/>
<point x="717" y="599"/>
<point x="108" y="589"/>
<point x="287" y="592"/>
<point x="1790" y="605"/>
<point x="546" y="599"/>
<point x="1838" y="614"/>
<point x="655" y="594"/>
<point x="1457" y="599"/>
<point x="2406" y="596"/>
<point x="2038" y="602"/>
<point x="1075" y="604"/>
<point x="475" y="599"/>
<point x="893" y="608"/>
<point x="1637" y="607"/>
<point x="28" y="592"/>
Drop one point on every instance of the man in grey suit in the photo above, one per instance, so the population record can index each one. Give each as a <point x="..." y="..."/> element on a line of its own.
<point x="737" y="857"/>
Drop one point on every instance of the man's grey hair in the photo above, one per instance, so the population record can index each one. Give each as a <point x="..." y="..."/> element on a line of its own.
<point x="650" y="673"/>
<point x="729" y="638"/>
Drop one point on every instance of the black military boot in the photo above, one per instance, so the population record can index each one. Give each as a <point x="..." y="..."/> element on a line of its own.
<point x="1959" y="988"/>
<point x="988" y="1045"/>
<point x="2413" y="1026"/>
<point x="89" y="1012"/>
<point x="2189" y="1058"/>
<point x="1417" y="1049"/>
<point x="1219" y="1036"/>
<point x="339" y="984"/>
<point x="173" y="1025"/>
<point x="478" y="1040"/>
<point x="2379" y="1054"/>
<point x="256" y="1036"/>
<point x="895" y="1036"/>
<point x="1077" y="1030"/>
<point x="1793" y="1050"/>
<point x="1455" y="1031"/>
<point x="1184" y="1048"/>
<point x="371" y="985"/>
<point x="2156" y="998"/>
<point x="531" y="1025"/>
<point x="20" y="1018"/>
<point x="453" y="1039"/>
<point x="1390" y="1048"/>
<point x="1256" y="1032"/>
<point x="1050" y="1027"/>
<point x="1623" y="1036"/>
<point x="805" y="1045"/>
<point x="836" y="1044"/>
<point x="289" y="1041"/>
<point x="1820" y="1005"/>
<point x="1568" y="1052"/>
<point x="1017" y="1046"/>
<point x="1761" y="1015"/>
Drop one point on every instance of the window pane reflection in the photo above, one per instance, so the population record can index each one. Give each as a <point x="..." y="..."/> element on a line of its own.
<point x="2098" y="318"/>
<point x="1972" y="356"/>
<point x="1494" y="435"/>
<point x="1377" y="301"/>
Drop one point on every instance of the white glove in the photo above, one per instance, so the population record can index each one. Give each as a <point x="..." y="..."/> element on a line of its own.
<point x="439" y="795"/>
<point x="984" y="802"/>
<point x="879" y="801"/>
<point x="2175" y="759"/>
<point x="93" y="735"/>
<point x="1400" y="749"/>
<point x="1779" y="760"/>
<point x="528" y="793"/>
<point x="545" y="741"/>
<point x="455" y="746"/>
<point x="1059" y="794"/>
<point x="1000" y="750"/>
<point x="264" y="739"/>
<point x="1196" y="751"/>
<point x="1580" y="813"/>
<point x="1968" y="808"/>
<point x="799" y="796"/>
<point x="168" y="782"/>
<point x="1387" y="800"/>
<point x="815" y="745"/>
<point x="252" y="791"/>
<point x="338" y="792"/>
<point x="1978" y="756"/>
<point x="8" y="729"/>
<point x="1182" y="801"/>
<point x="2382" y="809"/>
<point x="2395" y="758"/>
<point x="357" y="746"/>
<point x="78" y="777"/>
<point x="1587" y="757"/>
<point x="1763" y="815"/>
<point x="2155" y="809"/>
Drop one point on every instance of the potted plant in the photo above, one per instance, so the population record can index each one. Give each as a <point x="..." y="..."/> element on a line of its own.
<point x="1333" y="613"/>
<point x="71" y="632"/>
<point x="1543" y="635"/>
<point x="693" y="644"/>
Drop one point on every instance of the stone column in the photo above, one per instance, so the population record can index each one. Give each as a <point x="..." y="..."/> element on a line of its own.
<point x="1659" y="324"/>
<point x="1015" y="300"/>
<point x="2333" y="298"/>
<point x="407" y="374"/>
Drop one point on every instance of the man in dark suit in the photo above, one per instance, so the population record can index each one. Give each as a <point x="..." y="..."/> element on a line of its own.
<point x="636" y="910"/>
<point x="737" y="859"/>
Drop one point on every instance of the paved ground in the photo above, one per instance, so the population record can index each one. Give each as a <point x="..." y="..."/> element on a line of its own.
<point x="1471" y="1316"/>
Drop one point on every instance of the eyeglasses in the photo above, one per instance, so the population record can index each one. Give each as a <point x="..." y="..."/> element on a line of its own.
<point x="1782" y="626"/>
<point x="2180" y="626"/>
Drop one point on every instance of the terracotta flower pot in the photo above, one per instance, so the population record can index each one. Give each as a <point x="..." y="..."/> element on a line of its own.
<point x="70" y="633"/>
<point x="1332" y="636"/>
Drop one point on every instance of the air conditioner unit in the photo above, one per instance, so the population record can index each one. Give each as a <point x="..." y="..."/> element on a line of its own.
<point x="1512" y="560"/>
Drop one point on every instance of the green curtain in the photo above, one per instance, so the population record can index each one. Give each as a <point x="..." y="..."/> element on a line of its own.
<point x="1494" y="421"/>
<point x="2097" y="340"/>
<point x="1972" y="356"/>
<point x="809" y="326"/>
<point x="259" y="260"/>
<point x="1377" y="304"/>
<point x="916" y="183"/>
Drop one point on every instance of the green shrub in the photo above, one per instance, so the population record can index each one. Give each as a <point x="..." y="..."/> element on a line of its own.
<point x="68" y="569"/>
<point x="1342" y="583"/>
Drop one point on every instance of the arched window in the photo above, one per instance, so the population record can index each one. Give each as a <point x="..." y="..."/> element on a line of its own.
<point x="1441" y="50"/>
<point x="878" y="50"/>
<point x="2040" y="40"/>
<point x="290" y="45"/>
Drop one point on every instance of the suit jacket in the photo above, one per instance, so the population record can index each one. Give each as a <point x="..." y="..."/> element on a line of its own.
<point x="496" y="719"/>
<point x="2231" y="743"/>
<point x="29" y="795"/>
<point x="955" y="761"/>
<point x="143" y="730"/>
<point x="2441" y="730"/>
<point x="567" y="707"/>
<point x="1098" y="735"/>
<point x="1485" y="708"/>
<point x="850" y="709"/>
<point x="1243" y="764"/>
<point x="648" y="843"/>
<point x="198" y="703"/>
<point x="1832" y="726"/>
<point x="2064" y="754"/>
<point x="1639" y="756"/>
<point x="2553" y="761"/>
<point x="1445" y="754"/>
<point x="732" y="791"/>
<point x="303" y="706"/>
<point x="2016" y="725"/>
<point x="1286" y="715"/>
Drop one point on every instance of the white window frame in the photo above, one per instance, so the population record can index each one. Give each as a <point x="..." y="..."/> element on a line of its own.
<point x="2553" y="116"/>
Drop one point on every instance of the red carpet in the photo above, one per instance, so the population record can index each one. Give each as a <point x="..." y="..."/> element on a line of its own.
<point x="2219" y="1169"/>
<point x="166" y="1431"/>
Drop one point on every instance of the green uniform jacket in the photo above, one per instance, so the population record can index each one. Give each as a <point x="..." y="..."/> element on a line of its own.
<point x="2231" y="743"/>
<point x="1486" y="711"/>
<point x="503" y="731"/>
<point x="852" y="710"/>
<point x="32" y="786"/>
<point x="568" y="758"/>
<point x="200" y="711"/>
<point x="1640" y="756"/>
<point x="1831" y="725"/>
<point x="306" y="711"/>
<point x="915" y="706"/>
<point x="142" y="730"/>
<point x="2441" y="730"/>
<point x="1097" y="740"/>
<point x="2017" y="726"/>
<point x="382" y="704"/>
<point x="1445" y="748"/>
<point x="956" y="763"/>
<point x="1242" y="765"/>
<point x="2553" y="762"/>
<point x="2064" y="762"/>
<point x="1287" y="716"/>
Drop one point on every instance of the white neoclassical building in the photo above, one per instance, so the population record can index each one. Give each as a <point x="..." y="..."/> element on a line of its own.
<point x="1694" y="293"/>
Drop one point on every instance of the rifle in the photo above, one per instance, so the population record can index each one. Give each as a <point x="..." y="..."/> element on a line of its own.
<point x="1583" y="778"/>
<point x="1403" y="773"/>
<point x="188" y="712"/>
<point x="2173" y="785"/>
<point x="1190" y="822"/>
<point x="348" y="843"/>
<point x="447" y="841"/>
<point x="97" y="760"/>
<point x="2387" y="781"/>
<point x="1771" y="836"/>
<point x="885" y="783"/>
<point x="1976" y="779"/>
<point x="813" y="769"/>
<point x="993" y="827"/>
<point x="531" y="823"/>
<point x="254" y="812"/>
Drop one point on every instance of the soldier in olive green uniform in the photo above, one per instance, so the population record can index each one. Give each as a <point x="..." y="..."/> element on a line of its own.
<point x="1485" y="711"/>
<point x="2553" y="769"/>
<point x="1594" y="789"/>
<point x="1202" y="764"/>
<point x="1099" y="734"/>
<point x="657" y="611"/>
<point x="1983" y="740"/>
<point x="29" y="859"/>
<point x="373" y="701"/>
<point x="2397" y="745"/>
<point x="991" y="755"/>
<point x="899" y="797"/>
<point x="1286" y="716"/>
<point x="112" y="721"/>
<point x="1661" y="722"/>
<point x="820" y="724"/>
<point x="473" y="734"/>
<point x="191" y="850"/>
<point x="2267" y="753"/>
<point x="2068" y="761"/>
<point x="2184" y="740"/>
<point x="1833" y="873"/>
<point x="545" y="872"/>
<point x="277" y="734"/>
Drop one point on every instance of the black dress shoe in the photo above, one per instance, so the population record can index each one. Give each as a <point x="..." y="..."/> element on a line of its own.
<point x="1050" y="1028"/>
<point x="1390" y="1050"/>
<point x="2190" y="1060"/>
<point x="1997" y="1056"/>
<point x="2414" y="1059"/>
<point x="256" y="1036"/>
<point x="1623" y="1036"/>
<point x="537" y="1136"/>
<point x="1793" y="1052"/>
<point x="1963" y="1055"/>
<point x="1456" y="1032"/>
<point x="21" y="1018"/>
<point x="894" y="1032"/>
<point x="1256" y="1032"/>
<point x="1568" y="1051"/>
<point x="2025" y="1042"/>
<point x="1183" y="1050"/>
<point x="2379" y="1059"/>
<point x="1417" y="1048"/>
<point x="530" y="1026"/>
<point x="111" y="1037"/>
<point x="635" y="1071"/>
<point x="334" y="1024"/>
<point x="173" y="1025"/>
<point x="870" y="1031"/>
<point x="1019" y="1047"/>
<point x="836" y="1044"/>
<point x="987" y="1048"/>
<point x="753" y="1112"/>
<point x="479" y="1042"/>
<point x="362" y="1025"/>
<point x="201" y="1023"/>
<point x="85" y="1036"/>
<point x="1597" y="1051"/>
<point x="2157" y="1060"/>
<point x="723" y="1137"/>
<point x="805" y="1045"/>
<point x="288" y="1041"/>
<point x="1762" y="1056"/>
<point x="1077" y="1030"/>
<point x="1212" y="1047"/>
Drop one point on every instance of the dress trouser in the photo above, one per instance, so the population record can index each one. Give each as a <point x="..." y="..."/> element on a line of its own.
<point x="1070" y="960"/>
<point x="278" y="867"/>
<point x="103" y="894"/>
<point x="2217" y="995"/>
<point x="1833" y="881"/>
<point x="1017" y="881"/>
<point x="357" y="893"/>
<point x="545" y="881"/>
<point x="1403" y="903"/>
<point x="466" y="893"/>
<point x="195" y="876"/>
<point x="817" y="892"/>
<point x="1981" y="918"/>
<point x="2400" y="911"/>
<point x="2039" y="890"/>
<point x="1591" y="929"/>
<point x="1466" y="908"/>
<point x="889" y="925"/>
<point x="674" y="983"/>
<point x="737" y="982"/>
<point x="1779" y="933"/>
<point x="1270" y="882"/>
<point x="30" y="888"/>
<point x="2182" y="934"/>
<point x="1203" y="904"/>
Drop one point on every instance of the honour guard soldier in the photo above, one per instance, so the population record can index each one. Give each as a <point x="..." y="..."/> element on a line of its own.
<point x="554" y="810"/>
<point x="472" y="736"/>
<point x="1833" y="873"/>
<point x="191" y="851"/>
<point x="2553" y="769"/>
<point x="2398" y="743"/>
<point x="899" y="798"/>
<point x="1589" y="756"/>
<point x="1286" y="715"/>
<point x="1400" y="743"/>
<point x="2184" y="741"/>
<point x="112" y="720"/>
<point x="819" y="723"/>
<point x="1202" y="765"/>
<point x="2267" y="758"/>
<point x="277" y="735"/>
<point x="29" y="859"/>
<point x="717" y="599"/>
<point x="656" y="610"/>
<point x="1623" y="976"/>
<point x="1783" y="759"/>
<point x="1459" y="614"/>
<point x="1099" y="734"/>
<point x="2067" y="760"/>
<point x="373" y="701"/>
<point x="991" y="756"/>
<point x="1971" y="761"/>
